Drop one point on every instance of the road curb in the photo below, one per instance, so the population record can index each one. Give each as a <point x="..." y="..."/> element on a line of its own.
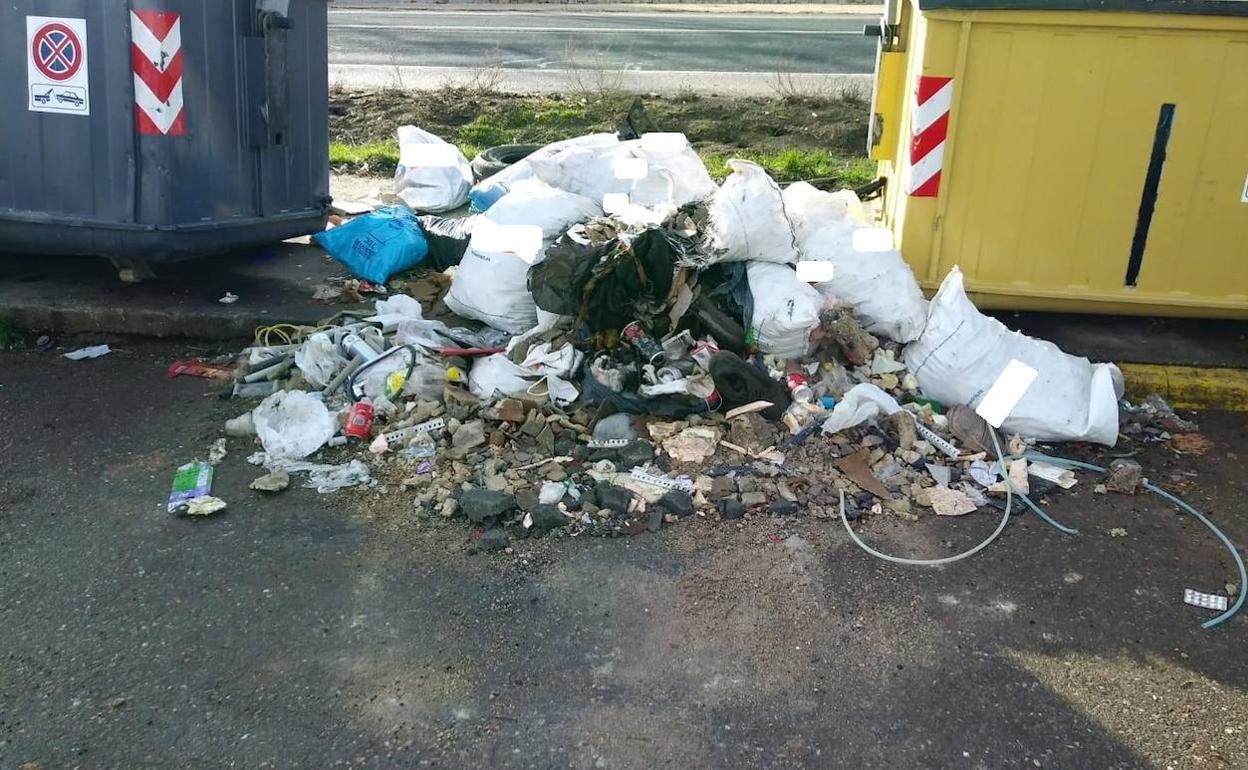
<point x="1189" y="387"/>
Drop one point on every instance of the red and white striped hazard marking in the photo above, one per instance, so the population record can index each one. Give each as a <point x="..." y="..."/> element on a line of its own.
<point x="156" y="58"/>
<point x="928" y="128"/>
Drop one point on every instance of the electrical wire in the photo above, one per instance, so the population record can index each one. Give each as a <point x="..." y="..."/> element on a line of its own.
<point x="1184" y="506"/>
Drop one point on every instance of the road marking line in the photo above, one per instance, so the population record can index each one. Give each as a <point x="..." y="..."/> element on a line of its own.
<point x="598" y="30"/>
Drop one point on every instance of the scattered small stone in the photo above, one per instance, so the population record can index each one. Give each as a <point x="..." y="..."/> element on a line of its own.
<point x="784" y="508"/>
<point x="751" y="499"/>
<point x="527" y="498"/>
<point x="272" y="482"/>
<point x="118" y="703"/>
<point x="468" y="436"/>
<point x="731" y="508"/>
<point x="656" y="519"/>
<point x="1124" y="477"/>
<point x="450" y="506"/>
<point x="546" y="517"/>
<point x="506" y="410"/>
<point x="722" y="486"/>
<point x="482" y="505"/>
<point x="204" y="506"/>
<point x="1117" y="532"/>
<point x="613" y="497"/>
<point x="637" y="453"/>
<point x="678" y="502"/>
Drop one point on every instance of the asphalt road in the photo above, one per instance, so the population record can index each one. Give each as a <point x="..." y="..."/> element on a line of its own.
<point x="636" y="42"/>
<point x="342" y="630"/>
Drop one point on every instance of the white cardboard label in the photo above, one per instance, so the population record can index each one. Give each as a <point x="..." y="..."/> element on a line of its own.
<point x="57" y="77"/>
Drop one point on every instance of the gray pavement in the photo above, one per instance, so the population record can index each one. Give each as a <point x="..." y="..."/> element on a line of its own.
<point x="644" y="49"/>
<point x="349" y="631"/>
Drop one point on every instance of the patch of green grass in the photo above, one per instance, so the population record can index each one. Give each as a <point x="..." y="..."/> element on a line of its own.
<point x="376" y="157"/>
<point x="796" y="165"/>
<point x="485" y="131"/>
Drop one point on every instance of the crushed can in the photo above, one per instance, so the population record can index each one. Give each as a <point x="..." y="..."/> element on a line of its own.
<point x="702" y="353"/>
<point x="798" y="388"/>
<point x="359" y="420"/>
<point x="646" y="346"/>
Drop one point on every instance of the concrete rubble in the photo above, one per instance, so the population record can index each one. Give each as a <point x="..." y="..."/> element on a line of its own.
<point x="641" y="396"/>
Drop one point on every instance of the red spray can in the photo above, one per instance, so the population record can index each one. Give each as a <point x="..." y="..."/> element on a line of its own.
<point x="359" y="420"/>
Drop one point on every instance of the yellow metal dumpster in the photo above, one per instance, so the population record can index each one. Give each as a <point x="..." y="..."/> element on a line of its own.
<point x="1069" y="155"/>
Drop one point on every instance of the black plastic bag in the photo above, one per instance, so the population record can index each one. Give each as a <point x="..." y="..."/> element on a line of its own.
<point x="447" y="237"/>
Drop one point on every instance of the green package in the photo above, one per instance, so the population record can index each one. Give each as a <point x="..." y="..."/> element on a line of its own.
<point x="190" y="481"/>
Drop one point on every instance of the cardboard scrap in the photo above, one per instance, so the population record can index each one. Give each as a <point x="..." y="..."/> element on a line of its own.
<point x="858" y="468"/>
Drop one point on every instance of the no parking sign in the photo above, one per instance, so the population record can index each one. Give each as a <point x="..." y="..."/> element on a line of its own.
<point x="56" y="66"/>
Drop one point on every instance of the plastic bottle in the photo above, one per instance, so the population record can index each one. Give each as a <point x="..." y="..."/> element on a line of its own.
<point x="457" y="369"/>
<point x="427" y="381"/>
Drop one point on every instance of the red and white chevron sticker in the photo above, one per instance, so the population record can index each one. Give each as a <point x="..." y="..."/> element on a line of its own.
<point x="156" y="58"/>
<point x="929" y="126"/>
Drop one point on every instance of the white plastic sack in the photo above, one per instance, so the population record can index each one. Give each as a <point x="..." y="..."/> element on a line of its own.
<point x="860" y="403"/>
<point x="962" y="352"/>
<point x="786" y="310"/>
<point x="491" y="285"/>
<point x="497" y="376"/>
<point x="432" y="175"/>
<point x="486" y="192"/>
<point x="674" y="174"/>
<point x="878" y="285"/>
<point x="318" y="359"/>
<point x="543" y="372"/>
<point x="292" y="424"/>
<point x="748" y="220"/>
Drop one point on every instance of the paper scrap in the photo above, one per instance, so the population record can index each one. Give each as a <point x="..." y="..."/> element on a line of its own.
<point x="1063" y="477"/>
<point x="95" y="351"/>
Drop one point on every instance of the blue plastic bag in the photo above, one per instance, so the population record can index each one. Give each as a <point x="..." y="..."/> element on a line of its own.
<point x="377" y="245"/>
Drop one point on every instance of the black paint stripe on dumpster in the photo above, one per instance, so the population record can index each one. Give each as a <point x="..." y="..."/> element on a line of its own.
<point x="1148" y="199"/>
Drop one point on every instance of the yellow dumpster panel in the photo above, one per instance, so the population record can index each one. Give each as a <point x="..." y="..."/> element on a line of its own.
<point x="1094" y="161"/>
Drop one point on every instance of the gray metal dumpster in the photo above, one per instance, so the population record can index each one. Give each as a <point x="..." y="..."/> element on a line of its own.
<point x="161" y="129"/>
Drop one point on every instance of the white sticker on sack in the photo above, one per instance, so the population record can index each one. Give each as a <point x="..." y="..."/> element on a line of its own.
<point x="615" y="203"/>
<point x="524" y="241"/>
<point x="872" y="239"/>
<point x="814" y="271"/>
<point x="429" y="155"/>
<point x="630" y="168"/>
<point x="662" y="141"/>
<point x="1006" y="392"/>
